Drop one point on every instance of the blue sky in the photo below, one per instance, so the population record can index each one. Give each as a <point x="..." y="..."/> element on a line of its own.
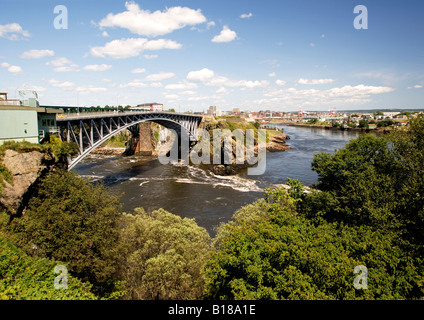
<point x="188" y="55"/>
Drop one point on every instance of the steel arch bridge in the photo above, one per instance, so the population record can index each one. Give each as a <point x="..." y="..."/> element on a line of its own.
<point x="90" y="130"/>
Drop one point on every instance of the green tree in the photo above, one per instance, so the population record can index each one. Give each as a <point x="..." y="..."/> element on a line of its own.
<point x="359" y="185"/>
<point x="29" y="278"/>
<point x="269" y="251"/>
<point x="71" y="220"/>
<point x="162" y="256"/>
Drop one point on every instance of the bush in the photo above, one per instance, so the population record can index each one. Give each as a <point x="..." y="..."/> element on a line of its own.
<point x="162" y="256"/>
<point x="72" y="221"/>
<point x="269" y="251"/>
<point x="27" y="278"/>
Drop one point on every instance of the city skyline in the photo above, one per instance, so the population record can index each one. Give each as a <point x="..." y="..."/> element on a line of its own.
<point x="267" y="55"/>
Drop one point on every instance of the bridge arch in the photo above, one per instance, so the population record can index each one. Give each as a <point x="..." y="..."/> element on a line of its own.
<point x="89" y="132"/>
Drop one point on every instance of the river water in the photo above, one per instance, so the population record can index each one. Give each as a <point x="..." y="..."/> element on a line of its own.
<point x="194" y="193"/>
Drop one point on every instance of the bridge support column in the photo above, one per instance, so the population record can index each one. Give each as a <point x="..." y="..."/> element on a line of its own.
<point x="145" y="146"/>
<point x="140" y="142"/>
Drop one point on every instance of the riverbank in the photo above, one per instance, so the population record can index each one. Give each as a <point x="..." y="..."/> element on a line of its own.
<point x="326" y="127"/>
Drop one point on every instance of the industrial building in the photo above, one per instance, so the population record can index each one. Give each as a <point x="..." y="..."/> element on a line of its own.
<point x="25" y="120"/>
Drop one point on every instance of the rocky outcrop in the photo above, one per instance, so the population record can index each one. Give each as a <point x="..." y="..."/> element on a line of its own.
<point x="26" y="169"/>
<point x="277" y="143"/>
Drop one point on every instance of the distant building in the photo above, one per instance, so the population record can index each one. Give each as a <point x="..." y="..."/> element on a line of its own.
<point x="26" y="120"/>
<point x="150" y="106"/>
<point x="212" y="111"/>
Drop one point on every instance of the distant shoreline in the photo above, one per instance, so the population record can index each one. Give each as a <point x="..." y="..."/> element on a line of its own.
<point x="289" y="123"/>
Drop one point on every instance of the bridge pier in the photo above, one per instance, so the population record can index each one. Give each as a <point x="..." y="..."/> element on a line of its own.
<point x="141" y="141"/>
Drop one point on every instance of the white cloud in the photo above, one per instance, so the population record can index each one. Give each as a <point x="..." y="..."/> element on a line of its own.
<point x="345" y="96"/>
<point x="159" y="76"/>
<point x="97" y="67"/>
<point x="105" y="34"/>
<point x="315" y="81"/>
<point x="131" y="47"/>
<point x="37" y="54"/>
<point x="134" y="84"/>
<point x="272" y="74"/>
<point x="226" y="35"/>
<point x="246" y="15"/>
<point x="150" y="56"/>
<point x="280" y="82"/>
<point x="201" y="75"/>
<point x="222" y="90"/>
<point x="312" y="44"/>
<point x="138" y="70"/>
<point x="209" y="78"/>
<point x="172" y="96"/>
<point x="15" y="70"/>
<point x="181" y="86"/>
<point x="417" y="86"/>
<point x="138" y="83"/>
<point x="13" y="31"/>
<point x="91" y="89"/>
<point x="210" y="24"/>
<point x="66" y="85"/>
<point x="144" y="22"/>
<point x="63" y="65"/>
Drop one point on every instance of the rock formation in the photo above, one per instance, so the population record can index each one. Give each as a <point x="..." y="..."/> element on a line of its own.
<point x="26" y="169"/>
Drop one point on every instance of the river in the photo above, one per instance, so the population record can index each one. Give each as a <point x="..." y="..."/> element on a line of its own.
<point x="194" y="193"/>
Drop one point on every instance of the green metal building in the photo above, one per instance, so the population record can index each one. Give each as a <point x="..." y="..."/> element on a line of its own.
<point x="22" y="122"/>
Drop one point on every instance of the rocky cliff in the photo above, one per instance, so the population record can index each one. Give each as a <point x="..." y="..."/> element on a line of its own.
<point x="26" y="169"/>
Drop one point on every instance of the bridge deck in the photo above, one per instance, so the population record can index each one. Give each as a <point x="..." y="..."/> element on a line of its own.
<point x="98" y="115"/>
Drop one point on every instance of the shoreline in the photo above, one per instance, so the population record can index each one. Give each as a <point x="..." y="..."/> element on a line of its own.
<point x="317" y="126"/>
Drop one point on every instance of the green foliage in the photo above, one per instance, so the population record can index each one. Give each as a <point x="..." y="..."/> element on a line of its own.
<point x="162" y="256"/>
<point x="27" y="278"/>
<point x="21" y="147"/>
<point x="269" y="251"/>
<point x="359" y="178"/>
<point x="72" y="221"/>
<point x="59" y="149"/>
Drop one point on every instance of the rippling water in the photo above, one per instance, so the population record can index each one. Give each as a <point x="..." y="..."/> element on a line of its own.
<point x="194" y="193"/>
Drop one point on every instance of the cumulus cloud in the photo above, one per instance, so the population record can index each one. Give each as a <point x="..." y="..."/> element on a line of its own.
<point x="66" y="85"/>
<point x="159" y="76"/>
<point x="201" y="75"/>
<point x="315" y="81"/>
<point x="131" y="47"/>
<point x="37" y="54"/>
<point x="226" y="35"/>
<point x="209" y="78"/>
<point x="97" y="67"/>
<point x="151" y="24"/>
<point x="138" y="70"/>
<point x="15" y="70"/>
<point x="139" y="83"/>
<point x="91" y="89"/>
<point x="280" y="82"/>
<point x="150" y="56"/>
<point x="345" y="95"/>
<point x="246" y="15"/>
<point x="63" y="65"/>
<point x="181" y="86"/>
<point x="13" y="31"/>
